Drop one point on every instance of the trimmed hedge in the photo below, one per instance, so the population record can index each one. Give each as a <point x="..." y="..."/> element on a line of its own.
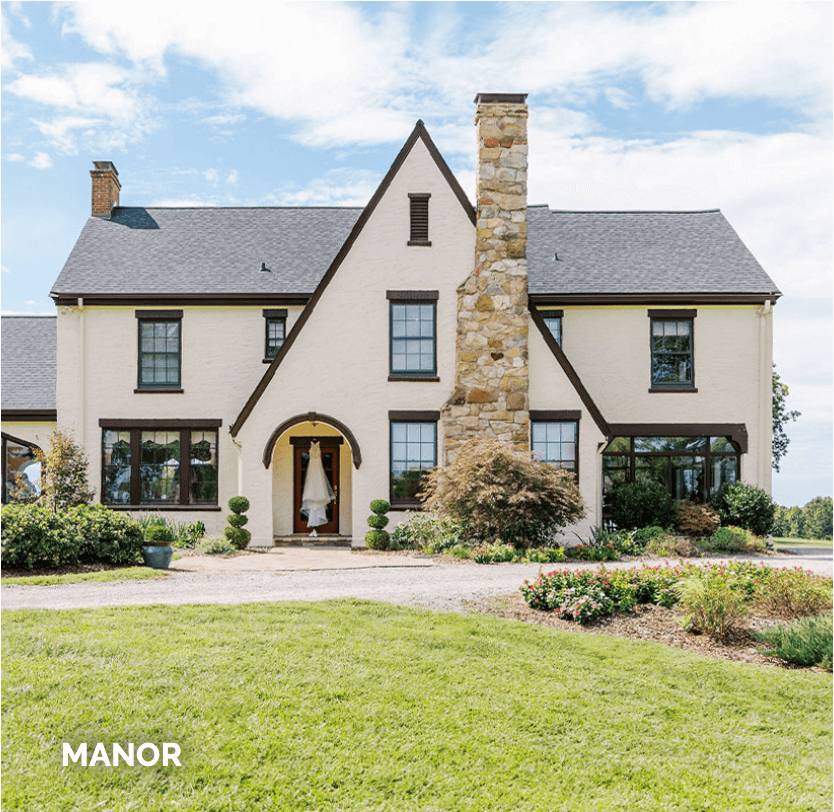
<point x="33" y="536"/>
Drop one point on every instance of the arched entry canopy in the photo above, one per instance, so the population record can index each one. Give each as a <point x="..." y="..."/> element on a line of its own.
<point x="313" y="417"/>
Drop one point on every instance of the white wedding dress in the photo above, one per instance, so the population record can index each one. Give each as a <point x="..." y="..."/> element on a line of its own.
<point x="317" y="493"/>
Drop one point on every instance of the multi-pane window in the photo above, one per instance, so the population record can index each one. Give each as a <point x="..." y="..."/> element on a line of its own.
<point x="160" y="349"/>
<point x="413" y="453"/>
<point x="556" y="443"/>
<point x="690" y="467"/>
<point x="672" y="361"/>
<point x="413" y="346"/>
<point x="21" y="471"/>
<point x="276" y="329"/>
<point x="553" y="320"/>
<point x="148" y="466"/>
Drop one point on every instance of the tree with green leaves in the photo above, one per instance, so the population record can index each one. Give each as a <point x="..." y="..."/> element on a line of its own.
<point x="64" y="478"/>
<point x="781" y="417"/>
<point x="818" y="518"/>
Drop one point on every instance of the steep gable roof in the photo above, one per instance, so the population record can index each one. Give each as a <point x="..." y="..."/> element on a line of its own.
<point x="418" y="133"/>
<point x="29" y="369"/>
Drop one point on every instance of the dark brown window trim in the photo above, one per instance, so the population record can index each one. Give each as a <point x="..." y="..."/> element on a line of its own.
<point x="678" y="389"/>
<point x="602" y="299"/>
<point x="166" y="508"/>
<point x="672" y="314"/>
<point x="552" y="314"/>
<point x="425" y="243"/>
<point x="423" y="378"/>
<point x="419" y="132"/>
<point x="312" y="417"/>
<point x="305" y="442"/>
<point x="157" y="390"/>
<point x="572" y="376"/>
<point x="158" y="315"/>
<point x="143" y="423"/>
<point x="419" y="195"/>
<point x="737" y="432"/>
<point x="275" y="313"/>
<point x="413" y="416"/>
<point x="552" y="415"/>
<point x="30" y="415"/>
<point x="412" y="295"/>
<point x="416" y="506"/>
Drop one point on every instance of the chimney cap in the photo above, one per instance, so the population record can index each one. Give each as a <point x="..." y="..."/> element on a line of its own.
<point x="105" y="165"/>
<point x="506" y="98"/>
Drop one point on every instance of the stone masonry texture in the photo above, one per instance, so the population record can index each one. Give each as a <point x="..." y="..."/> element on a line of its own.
<point x="490" y="398"/>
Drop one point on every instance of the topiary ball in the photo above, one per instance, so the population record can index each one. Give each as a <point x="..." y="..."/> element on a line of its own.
<point x="238" y="504"/>
<point x="377" y="539"/>
<point x="237" y="519"/>
<point x="237" y="536"/>
<point x="377" y="522"/>
<point x="380" y="506"/>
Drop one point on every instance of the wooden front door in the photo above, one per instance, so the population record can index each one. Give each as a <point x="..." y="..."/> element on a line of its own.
<point x="330" y="463"/>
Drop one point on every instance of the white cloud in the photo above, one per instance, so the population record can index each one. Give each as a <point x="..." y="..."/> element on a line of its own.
<point x="14" y="156"/>
<point x="41" y="161"/>
<point x="211" y="175"/>
<point x="11" y="50"/>
<point x="232" y="178"/>
<point x="338" y="187"/>
<point x="224" y="120"/>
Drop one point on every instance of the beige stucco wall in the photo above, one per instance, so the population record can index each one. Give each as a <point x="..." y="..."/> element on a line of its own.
<point x="33" y="432"/>
<point x="339" y="365"/>
<point x="222" y="360"/>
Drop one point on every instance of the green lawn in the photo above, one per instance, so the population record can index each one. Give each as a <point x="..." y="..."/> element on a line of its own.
<point x="823" y="544"/>
<point x="356" y="706"/>
<point x="119" y="574"/>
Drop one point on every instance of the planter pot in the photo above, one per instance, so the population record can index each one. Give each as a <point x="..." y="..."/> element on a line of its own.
<point x="157" y="556"/>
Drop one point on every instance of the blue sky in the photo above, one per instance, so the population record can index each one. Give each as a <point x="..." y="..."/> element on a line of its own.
<point x="632" y="106"/>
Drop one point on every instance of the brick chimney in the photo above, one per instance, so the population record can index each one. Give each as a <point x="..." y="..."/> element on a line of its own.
<point x="105" y="188"/>
<point x="491" y="369"/>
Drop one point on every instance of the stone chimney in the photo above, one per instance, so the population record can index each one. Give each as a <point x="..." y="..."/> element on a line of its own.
<point x="490" y="398"/>
<point x="105" y="188"/>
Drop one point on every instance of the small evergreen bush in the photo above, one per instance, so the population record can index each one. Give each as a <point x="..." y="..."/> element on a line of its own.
<point x="640" y="504"/>
<point x="422" y="531"/>
<point x="377" y="539"/>
<point x="733" y="540"/>
<point x="805" y="642"/>
<point x="498" y="493"/>
<point x="235" y="532"/>
<point x="377" y="522"/>
<point x="695" y="519"/>
<point x="745" y="506"/>
<point x="160" y="534"/>
<point x="380" y="507"/>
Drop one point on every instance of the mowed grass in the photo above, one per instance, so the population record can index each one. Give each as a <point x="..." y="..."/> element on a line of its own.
<point x="817" y="544"/>
<point x="352" y="705"/>
<point x="118" y="574"/>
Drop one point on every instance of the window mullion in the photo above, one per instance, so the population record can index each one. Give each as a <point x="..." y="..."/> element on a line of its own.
<point x="185" y="466"/>
<point x="135" y="455"/>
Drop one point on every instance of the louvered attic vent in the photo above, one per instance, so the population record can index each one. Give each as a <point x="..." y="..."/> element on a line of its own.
<point x="419" y="219"/>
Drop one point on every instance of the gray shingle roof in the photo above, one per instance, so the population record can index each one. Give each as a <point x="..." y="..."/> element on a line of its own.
<point x="220" y="250"/>
<point x="211" y="250"/>
<point x="639" y="252"/>
<point x="29" y="371"/>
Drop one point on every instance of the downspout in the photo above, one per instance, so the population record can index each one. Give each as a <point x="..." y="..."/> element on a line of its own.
<point x="600" y="449"/>
<point x="765" y="398"/>
<point x="82" y="367"/>
<point x="239" y="448"/>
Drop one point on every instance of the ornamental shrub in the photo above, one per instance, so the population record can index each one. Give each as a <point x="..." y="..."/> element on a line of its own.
<point x="377" y="522"/>
<point x="713" y="607"/>
<point x="640" y="504"/>
<point x="235" y="532"/>
<point x="794" y="593"/>
<point x="745" y="506"/>
<point x="589" y="552"/>
<point x="423" y="531"/>
<point x="733" y="540"/>
<point x="695" y="519"/>
<point x="64" y="479"/>
<point x="804" y="642"/>
<point x="377" y="539"/>
<point x="380" y="506"/>
<point x="669" y="545"/>
<point x="215" y="546"/>
<point x="160" y="534"/>
<point x="498" y="493"/>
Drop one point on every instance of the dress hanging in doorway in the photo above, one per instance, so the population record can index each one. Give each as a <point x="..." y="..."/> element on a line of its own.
<point x="317" y="493"/>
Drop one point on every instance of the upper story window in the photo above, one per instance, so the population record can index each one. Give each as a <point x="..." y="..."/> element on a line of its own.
<point x="413" y="334"/>
<point x="276" y="331"/>
<point x="160" y="349"/>
<point x="158" y="464"/>
<point x="419" y="219"/>
<point x="553" y="320"/>
<point x="21" y="470"/>
<point x="556" y="442"/>
<point x="672" y="349"/>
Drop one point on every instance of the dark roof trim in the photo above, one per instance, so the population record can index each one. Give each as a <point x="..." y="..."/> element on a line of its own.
<point x="552" y="299"/>
<point x="409" y="415"/>
<point x="412" y="295"/>
<point x="420" y="132"/>
<point x="583" y="393"/>
<point x="673" y="314"/>
<point x="231" y="299"/>
<point x="154" y="423"/>
<point x="158" y="315"/>
<point x="737" y="432"/>
<point x="312" y="417"/>
<point x="275" y="313"/>
<point x="546" y="415"/>
<point x="30" y="415"/>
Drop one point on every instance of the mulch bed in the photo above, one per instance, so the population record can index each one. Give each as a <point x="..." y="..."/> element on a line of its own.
<point x="646" y="622"/>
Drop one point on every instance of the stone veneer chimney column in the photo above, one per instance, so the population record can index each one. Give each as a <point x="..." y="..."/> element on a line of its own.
<point x="105" y="188"/>
<point x="490" y="398"/>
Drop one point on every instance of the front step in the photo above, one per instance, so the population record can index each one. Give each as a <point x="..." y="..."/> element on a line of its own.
<point x="304" y="540"/>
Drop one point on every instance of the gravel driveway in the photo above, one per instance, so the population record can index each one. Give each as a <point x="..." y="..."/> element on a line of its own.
<point x="257" y="578"/>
